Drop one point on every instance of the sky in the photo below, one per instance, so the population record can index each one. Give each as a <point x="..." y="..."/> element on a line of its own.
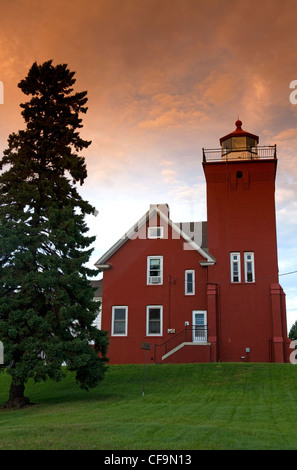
<point x="165" y="78"/>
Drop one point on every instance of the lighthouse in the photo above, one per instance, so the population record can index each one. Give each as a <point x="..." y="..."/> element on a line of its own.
<point x="249" y="316"/>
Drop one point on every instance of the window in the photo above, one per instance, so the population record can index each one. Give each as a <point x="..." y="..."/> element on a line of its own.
<point x="119" y="321"/>
<point x="200" y="326"/>
<point x="249" y="267"/>
<point x="235" y="267"/>
<point x="155" y="232"/>
<point x="190" y="282"/>
<point x="154" y="320"/>
<point x="154" y="270"/>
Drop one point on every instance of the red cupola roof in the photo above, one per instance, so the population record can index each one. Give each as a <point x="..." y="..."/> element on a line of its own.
<point x="239" y="132"/>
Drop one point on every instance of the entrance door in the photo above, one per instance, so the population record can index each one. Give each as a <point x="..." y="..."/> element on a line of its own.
<point x="199" y="326"/>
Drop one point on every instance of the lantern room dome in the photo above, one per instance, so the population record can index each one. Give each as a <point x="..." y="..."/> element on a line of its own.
<point x="243" y="138"/>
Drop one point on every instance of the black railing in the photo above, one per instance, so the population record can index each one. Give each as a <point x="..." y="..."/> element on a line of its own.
<point x="190" y="334"/>
<point x="246" y="153"/>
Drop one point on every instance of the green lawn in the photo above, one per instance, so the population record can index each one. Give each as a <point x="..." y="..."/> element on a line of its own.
<point x="185" y="407"/>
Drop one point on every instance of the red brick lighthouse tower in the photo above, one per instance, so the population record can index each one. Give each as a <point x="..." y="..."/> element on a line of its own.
<point x="249" y="313"/>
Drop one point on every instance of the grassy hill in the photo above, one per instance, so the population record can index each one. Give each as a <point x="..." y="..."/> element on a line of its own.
<point x="184" y="407"/>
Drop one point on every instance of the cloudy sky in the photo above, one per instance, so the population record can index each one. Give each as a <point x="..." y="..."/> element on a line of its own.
<point x="165" y="78"/>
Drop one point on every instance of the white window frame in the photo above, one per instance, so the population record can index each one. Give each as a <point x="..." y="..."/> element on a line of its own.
<point x="232" y="261"/>
<point x="189" y="271"/>
<point x="248" y="254"/>
<point x="160" y="307"/>
<point x="202" y="337"/>
<point x="154" y="280"/>
<point x="152" y="232"/>
<point x="114" y="308"/>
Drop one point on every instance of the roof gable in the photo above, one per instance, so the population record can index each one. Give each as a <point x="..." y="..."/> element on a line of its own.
<point x="181" y="230"/>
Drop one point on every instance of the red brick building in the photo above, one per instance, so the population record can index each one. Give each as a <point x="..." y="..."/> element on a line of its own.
<point x="203" y="291"/>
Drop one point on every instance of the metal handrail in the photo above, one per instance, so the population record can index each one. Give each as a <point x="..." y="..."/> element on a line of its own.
<point x="221" y="154"/>
<point x="183" y="336"/>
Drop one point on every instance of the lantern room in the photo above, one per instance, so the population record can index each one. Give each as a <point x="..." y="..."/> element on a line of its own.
<point x="239" y="144"/>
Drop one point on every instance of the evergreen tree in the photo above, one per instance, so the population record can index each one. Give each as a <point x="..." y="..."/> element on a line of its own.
<point x="293" y="331"/>
<point x="46" y="300"/>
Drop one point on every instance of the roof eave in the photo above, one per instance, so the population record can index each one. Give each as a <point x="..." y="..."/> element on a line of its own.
<point x="210" y="262"/>
<point x="239" y="134"/>
<point x="102" y="267"/>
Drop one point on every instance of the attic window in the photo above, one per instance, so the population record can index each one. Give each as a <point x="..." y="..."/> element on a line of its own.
<point x="155" y="232"/>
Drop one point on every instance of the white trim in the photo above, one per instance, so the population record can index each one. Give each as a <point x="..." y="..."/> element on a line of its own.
<point x="103" y="267"/>
<point x="232" y="262"/>
<point x="154" y="280"/>
<point x="125" y="307"/>
<point x="190" y="271"/>
<point x="207" y="263"/>
<point x="246" y="260"/>
<point x="204" y="313"/>
<point x="148" y="307"/>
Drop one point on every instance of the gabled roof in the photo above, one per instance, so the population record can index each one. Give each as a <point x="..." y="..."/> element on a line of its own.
<point x="183" y="230"/>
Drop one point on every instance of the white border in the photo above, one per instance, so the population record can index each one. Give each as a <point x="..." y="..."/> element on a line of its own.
<point x="161" y="320"/>
<point x="186" y="282"/>
<point x="126" y="320"/>
<point x="148" y="270"/>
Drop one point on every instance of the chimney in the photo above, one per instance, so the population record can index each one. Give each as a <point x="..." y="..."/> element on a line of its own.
<point x="164" y="208"/>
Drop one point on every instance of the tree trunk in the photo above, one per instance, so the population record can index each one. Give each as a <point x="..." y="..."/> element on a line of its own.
<point x="16" y="397"/>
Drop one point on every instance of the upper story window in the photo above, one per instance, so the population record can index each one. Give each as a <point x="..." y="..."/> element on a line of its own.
<point x="190" y="282"/>
<point x="154" y="270"/>
<point x="249" y="267"/>
<point x="119" y="321"/>
<point x="235" y="267"/>
<point x="155" y="232"/>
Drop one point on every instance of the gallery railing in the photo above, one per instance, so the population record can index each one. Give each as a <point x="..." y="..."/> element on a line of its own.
<point x="248" y="153"/>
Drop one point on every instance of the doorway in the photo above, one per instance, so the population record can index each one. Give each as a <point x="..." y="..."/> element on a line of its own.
<point x="199" y="326"/>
